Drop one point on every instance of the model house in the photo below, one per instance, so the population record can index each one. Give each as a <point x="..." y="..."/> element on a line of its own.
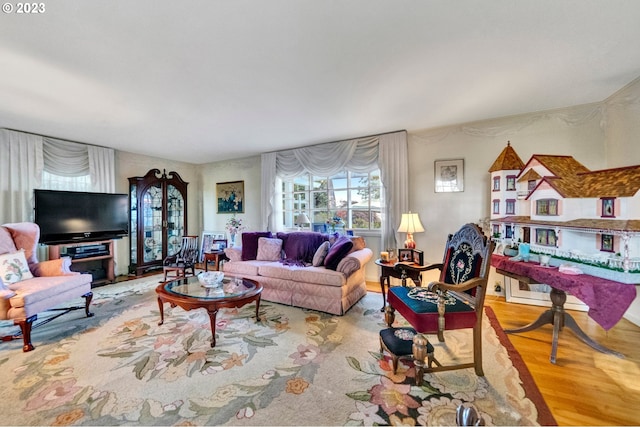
<point x="221" y="93"/>
<point x="561" y="208"/>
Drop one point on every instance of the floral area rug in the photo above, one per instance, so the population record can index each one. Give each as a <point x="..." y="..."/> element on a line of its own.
<point x="292" y="367"/>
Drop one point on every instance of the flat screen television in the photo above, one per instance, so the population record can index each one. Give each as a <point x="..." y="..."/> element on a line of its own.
<point x="73" y="216"/>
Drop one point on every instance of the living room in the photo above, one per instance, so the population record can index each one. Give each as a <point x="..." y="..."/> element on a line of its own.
<point x="600" y="133"/>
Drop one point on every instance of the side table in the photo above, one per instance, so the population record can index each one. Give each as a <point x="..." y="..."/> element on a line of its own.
<point x="402" y="271"/>
<point x="217" y="257"/>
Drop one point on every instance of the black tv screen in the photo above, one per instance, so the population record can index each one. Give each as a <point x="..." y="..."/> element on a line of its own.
<point x="71" y="216"/>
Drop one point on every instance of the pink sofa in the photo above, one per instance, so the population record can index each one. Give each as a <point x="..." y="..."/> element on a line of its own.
<point x="43" y="286"/>
<point x="315" y="287"/>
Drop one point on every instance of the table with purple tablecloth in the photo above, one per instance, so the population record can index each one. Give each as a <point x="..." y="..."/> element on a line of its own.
<point x="607" y="300"/>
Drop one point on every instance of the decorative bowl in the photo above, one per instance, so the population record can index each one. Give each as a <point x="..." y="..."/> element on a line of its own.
<point x="211" y="279"/>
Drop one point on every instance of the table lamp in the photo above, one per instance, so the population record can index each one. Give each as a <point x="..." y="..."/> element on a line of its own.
<point x="302" y="220"/>
<point x="410" y="224"/>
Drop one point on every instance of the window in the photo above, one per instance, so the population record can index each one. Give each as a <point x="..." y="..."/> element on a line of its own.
<point x="66" y="183"/>
<point x="496" y="230"/>
<point x="353" y="196"/>
<point x="606" y="243"/>
<point x="511" y="183"/>
<point x="545" y="237"/>
<point x="496" y="206"/>
<point x="511" y="207"/>
<point x="547" y="207"/>
<point x="531" y="185"/>
<point x="496" y="183"/>
<point x="608" y="207"/>
<point x="508" y="232"/>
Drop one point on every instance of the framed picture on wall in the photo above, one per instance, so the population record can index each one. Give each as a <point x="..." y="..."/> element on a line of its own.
<point x="449" y="175"/>
<point x="230" y="197"/>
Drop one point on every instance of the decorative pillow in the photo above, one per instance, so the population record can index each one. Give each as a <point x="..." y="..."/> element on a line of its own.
<point x="250" y="243"/>
<point x="321" y="253"/>
<point x="358" y="243"/>
<point x="301" y="245"/>
<point x="337" y="251"/>
<point x="54" y="267"/>
<point x="234" y="253"/>
<point x="14" y="267"/>
<point x="269" y="249"/>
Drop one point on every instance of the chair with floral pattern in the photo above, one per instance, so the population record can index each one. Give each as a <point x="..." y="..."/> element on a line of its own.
<point x="455" y="301"/>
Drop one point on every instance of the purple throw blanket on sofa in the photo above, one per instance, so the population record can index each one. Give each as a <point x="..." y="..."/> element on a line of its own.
<point x="300" y="246"/>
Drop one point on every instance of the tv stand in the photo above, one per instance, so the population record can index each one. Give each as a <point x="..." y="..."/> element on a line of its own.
<point x="95" y="258"/>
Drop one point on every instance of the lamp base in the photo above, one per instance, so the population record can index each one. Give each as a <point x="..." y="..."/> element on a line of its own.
<point x="409" y="243"/>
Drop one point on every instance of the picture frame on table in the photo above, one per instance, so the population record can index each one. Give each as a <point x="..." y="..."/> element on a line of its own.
<point x="405" y="255"/>
<point x="449" y="175"/>
<point x="230" y="197"/>
<point x="418" y="256"/>
<point x="212" y="240"/>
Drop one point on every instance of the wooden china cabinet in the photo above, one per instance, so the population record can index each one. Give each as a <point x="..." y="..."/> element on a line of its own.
<point x="158" y="218"/>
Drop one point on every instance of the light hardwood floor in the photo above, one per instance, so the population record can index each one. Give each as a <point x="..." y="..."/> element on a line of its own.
<point x="584" y="387"/>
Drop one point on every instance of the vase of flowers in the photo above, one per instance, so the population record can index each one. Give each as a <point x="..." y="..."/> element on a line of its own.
<point x="335" y="223"/>
<point x="234" y="226"/>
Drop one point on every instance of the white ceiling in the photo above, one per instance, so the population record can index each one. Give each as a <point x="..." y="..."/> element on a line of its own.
<point x="210" y="80"/>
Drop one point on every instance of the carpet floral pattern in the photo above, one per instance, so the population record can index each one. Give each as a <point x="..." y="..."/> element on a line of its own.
<point x="291" y="367"/>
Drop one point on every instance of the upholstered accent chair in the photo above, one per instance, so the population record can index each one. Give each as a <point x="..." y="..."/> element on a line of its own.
<point x="184" y="261"/>
<point x="455" y="301"/>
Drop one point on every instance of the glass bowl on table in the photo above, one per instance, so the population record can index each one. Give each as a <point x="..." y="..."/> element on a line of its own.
<point x="211" y="279"/>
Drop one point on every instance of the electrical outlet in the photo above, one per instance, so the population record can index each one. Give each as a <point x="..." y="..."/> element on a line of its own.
<point x="498" y="286"/>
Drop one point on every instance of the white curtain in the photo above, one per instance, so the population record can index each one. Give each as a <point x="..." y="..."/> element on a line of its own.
<point x="24" y="156"/>
<point x="102" y="168"/>
<point x="394" y="173"/>
<point x="387" y="152"/>
<point x="21" y="166"/>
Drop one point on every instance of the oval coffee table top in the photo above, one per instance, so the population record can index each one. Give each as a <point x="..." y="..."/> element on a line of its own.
<point x="232" y="287"/>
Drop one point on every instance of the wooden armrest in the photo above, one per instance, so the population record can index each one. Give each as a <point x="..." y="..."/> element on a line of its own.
<point x="436" y="286"/>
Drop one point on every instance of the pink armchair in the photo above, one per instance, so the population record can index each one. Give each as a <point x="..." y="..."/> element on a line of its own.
<point x="28" y="290"/>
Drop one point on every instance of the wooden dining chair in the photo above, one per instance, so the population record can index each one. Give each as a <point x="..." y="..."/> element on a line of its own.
<point x="184" y="261"/>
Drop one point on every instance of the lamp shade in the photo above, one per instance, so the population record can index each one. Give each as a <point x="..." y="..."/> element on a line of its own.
<point x="302" y="219"/>
<point x="410" y="223"/>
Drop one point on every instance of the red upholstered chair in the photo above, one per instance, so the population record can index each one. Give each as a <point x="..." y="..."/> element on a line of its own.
<point x="455" y="301"/>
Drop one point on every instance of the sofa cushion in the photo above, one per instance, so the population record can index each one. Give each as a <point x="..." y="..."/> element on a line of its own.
<point x="269" y="249"/>
<point x="234" y="253"/>
<point x="25" y="235"/>
<point x="301" y="245"/>
<point x="250" y="243"/>
<point x="244" y="268"/>
<point x="14" y="267"/>
<point x="296" y="274"/>
<point x="320" y="255"/>
<point x="337" y="251"/>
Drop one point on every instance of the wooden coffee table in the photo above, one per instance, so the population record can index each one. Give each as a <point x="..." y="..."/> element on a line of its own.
<point x="189" y="294"/>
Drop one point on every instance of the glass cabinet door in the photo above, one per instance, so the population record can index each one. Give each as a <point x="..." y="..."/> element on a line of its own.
<point x="175" y="219"/>
<point x="152" y="223"/>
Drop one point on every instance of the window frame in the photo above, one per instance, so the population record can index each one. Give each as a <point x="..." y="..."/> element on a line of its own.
<point x="549" y="203"/>
<point x="316" y="198"/>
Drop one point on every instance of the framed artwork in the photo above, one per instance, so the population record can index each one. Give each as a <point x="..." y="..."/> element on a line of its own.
<point x="449" y="176"/>
<point x="405" y="255"/>
<point x="230" y="197"/>
<point x="418" y="257"/>
<point x="212" y="241"/>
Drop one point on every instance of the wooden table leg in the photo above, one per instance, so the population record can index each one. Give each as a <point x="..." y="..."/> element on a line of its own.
<point x="161" y="307"/>
<point x="384" y="292"/>
<point x="257" y="309"/>
<point x="557" y="317"/>
<point x="212" y="319"/>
